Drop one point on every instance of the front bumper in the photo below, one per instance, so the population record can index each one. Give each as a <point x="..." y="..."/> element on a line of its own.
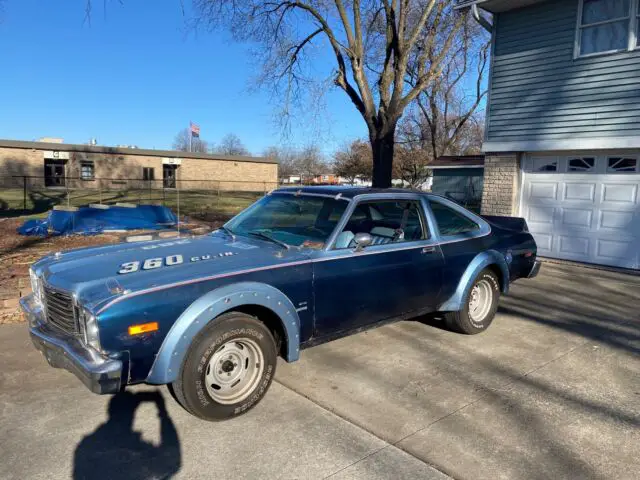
<point x="535" y="269"/>
<point x="100" y="374"/>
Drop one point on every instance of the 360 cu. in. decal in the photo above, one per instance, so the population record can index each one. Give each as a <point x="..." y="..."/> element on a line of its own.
<point x="152" y="263"/>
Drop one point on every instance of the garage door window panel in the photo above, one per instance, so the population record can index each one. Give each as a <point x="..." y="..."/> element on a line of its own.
<point x="582" y="164"/>
<point x="622" y="165"/>
<point x="544" y="165"/>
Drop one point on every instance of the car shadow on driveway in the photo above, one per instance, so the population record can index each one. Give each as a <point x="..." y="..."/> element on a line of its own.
<point x="115" y="450"/>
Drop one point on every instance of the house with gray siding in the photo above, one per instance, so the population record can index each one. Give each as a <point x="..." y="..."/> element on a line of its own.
<point x="562" y="140"/>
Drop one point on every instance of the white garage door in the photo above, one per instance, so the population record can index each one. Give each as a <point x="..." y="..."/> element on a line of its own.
<point x="584" y="208"/>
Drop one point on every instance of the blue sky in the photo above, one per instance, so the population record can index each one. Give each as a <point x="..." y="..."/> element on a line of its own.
<point x="137" y="77"/>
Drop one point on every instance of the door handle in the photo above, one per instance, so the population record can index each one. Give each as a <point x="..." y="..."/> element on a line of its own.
<point x="428" y="249"/>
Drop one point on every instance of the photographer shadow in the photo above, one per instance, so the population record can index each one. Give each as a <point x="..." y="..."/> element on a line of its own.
<point x="115" y="450"/>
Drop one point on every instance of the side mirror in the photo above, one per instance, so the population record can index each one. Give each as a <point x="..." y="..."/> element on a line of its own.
<point x="362" y="240"/>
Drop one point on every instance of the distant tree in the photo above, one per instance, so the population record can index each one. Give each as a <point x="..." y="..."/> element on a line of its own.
<point x="230" y="145"/>
<point x="310" y="162"/>
<point x="181" y="142"/>
<point x="353" y="161"/>
<point x="411" y="166"/>
<point x="286" y="158"/>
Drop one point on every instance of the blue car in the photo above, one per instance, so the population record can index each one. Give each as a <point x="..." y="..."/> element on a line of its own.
<point x="209" y="315"/>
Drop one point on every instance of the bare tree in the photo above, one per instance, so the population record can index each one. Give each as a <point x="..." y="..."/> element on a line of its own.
<point x="230" y="145"/>
<point x="310" y="162"/>
<point x="411" y="166"/>
<point x="444" y="120"/>
<point x="181" y="142"/>
<point x="385" y="52"/>
<point x="286" y="158"/>
<point x="353" y="161"/>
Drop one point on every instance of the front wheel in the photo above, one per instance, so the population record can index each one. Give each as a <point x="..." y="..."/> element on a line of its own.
<point x="228" y="368"/>
<point x="480" y="306"/>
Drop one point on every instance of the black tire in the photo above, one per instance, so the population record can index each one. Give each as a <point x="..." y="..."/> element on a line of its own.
<point x="191" y="389"/>
<point x="464" y="322"/>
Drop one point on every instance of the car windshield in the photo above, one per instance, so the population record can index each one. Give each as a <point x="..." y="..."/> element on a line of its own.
<point x="298" y="220"/>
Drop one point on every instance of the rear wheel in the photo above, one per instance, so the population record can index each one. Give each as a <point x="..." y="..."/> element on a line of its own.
<point x="480" y="306"/>
<point x="228" y="368"/>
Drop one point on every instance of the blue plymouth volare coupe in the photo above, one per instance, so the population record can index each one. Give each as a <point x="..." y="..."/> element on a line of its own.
<point x="209" y="315"/>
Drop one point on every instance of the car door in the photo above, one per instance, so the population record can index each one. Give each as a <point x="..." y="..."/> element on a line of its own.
<point x="399" y="273"/>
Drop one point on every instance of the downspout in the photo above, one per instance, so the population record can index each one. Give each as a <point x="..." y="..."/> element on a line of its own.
<point x="484" y="23"/>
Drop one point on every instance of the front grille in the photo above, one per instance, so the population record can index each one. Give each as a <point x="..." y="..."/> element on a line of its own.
<point x="60" y="310"/>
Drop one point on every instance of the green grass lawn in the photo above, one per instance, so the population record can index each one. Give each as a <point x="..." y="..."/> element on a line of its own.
<point x="196" y="203"/>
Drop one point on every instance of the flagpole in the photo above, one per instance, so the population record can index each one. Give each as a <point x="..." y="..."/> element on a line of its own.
<point x="190" y="137"/>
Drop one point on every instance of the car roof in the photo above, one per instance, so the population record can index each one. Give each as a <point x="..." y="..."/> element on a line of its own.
<point x="346" y="190"/>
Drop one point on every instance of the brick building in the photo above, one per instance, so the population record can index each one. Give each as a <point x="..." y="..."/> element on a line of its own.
<point x="52" y="164"/>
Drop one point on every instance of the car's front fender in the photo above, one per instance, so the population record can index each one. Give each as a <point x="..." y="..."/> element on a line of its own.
<point x="205" y="309"/>
<point x="481" y="261"/>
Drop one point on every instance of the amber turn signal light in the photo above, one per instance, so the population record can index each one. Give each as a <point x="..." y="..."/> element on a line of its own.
<point x="143" y="328"/>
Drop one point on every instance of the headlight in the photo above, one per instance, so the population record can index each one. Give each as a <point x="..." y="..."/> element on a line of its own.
<point x="89" y="329"/>
<point x="36" y="286"/>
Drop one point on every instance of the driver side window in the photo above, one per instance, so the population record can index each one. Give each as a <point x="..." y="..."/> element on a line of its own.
<point x="389" y="221"/>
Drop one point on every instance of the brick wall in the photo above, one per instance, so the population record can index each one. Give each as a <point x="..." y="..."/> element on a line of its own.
<point x="204" y="173"/>
<point x="501" y="184"/>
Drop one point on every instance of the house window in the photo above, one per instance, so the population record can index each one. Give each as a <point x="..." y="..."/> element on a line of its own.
<point x="582" y="164"/>
<point x="87" y="170"/>
<point x="637" y="32"/>
<point x="621" y="164"/>
<point x="148" y="173"/>
<point x="606" y="26"/>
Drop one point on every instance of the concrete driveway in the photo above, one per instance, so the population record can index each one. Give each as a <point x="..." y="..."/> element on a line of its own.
<point x="552" y="390"/>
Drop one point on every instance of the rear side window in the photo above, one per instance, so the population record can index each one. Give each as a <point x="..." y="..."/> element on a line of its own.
<point x="451" y="222"/>
<point x="386" y="221"/>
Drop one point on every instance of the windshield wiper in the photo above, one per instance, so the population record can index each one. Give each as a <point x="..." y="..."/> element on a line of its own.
<point x="268" y="237"/>
<point x="228" y="231"/>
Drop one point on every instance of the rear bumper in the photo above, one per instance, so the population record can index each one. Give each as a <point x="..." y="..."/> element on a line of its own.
<point x="535" y="269"/>
<point x="100" y="374"/>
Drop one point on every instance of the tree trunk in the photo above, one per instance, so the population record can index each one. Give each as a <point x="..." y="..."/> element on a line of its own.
<point x="382" y="148"/>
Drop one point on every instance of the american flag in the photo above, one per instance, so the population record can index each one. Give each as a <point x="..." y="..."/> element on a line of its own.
<point x="195" y="130"/>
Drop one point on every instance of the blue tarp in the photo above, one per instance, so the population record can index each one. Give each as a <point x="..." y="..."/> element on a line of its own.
<point x="91" y="221"/>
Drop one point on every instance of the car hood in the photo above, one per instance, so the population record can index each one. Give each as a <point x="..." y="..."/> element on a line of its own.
<point x="97" y="274"/>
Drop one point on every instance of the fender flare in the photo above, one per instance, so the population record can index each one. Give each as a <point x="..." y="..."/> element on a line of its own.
<point x="207" y="308"/>
<point x="480" y="262"/>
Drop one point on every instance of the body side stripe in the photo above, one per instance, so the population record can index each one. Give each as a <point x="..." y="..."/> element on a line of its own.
<point x="423" y="243"/>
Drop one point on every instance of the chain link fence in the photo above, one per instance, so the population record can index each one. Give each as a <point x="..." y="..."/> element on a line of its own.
<point x="198" y="198"/>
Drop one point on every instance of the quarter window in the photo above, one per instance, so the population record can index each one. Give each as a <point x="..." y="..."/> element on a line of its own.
<point x="621" y="164"/>
<point x="451" y="222"/>
<point x="87" y="170"/>
<point x="582" y="164"/>
<point x="606" y="26"/>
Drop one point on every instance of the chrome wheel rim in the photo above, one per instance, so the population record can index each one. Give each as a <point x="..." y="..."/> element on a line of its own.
<point x="480" y="301"/>
<point x="234" y="371"/>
